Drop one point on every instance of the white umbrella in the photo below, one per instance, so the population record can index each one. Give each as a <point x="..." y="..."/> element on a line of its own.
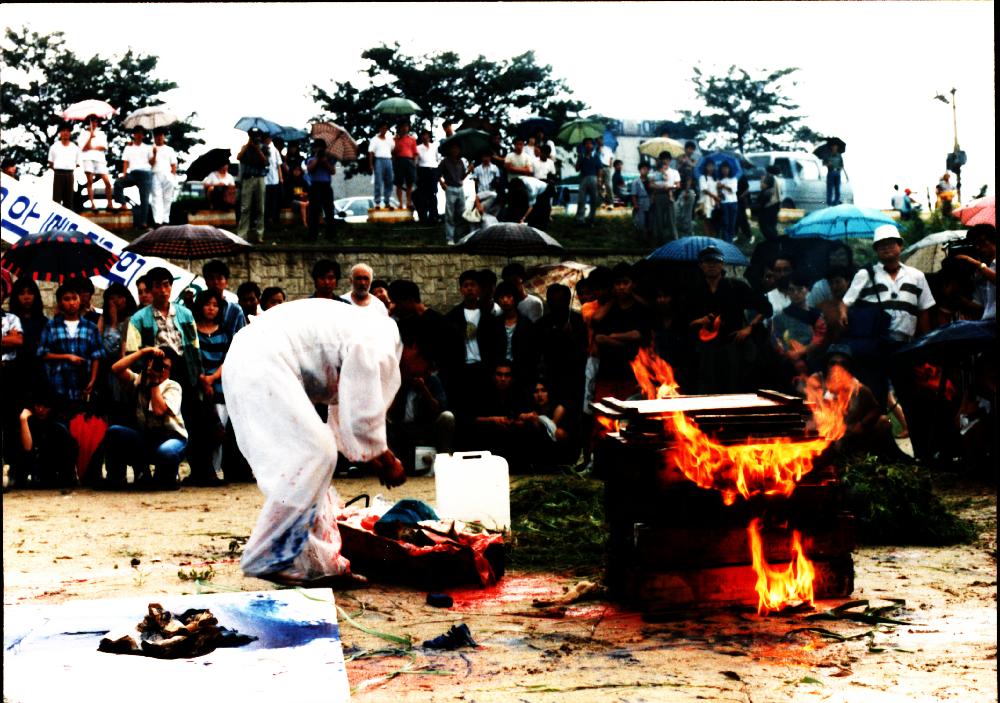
<point x="150" y="118"/>
<point x="928" y="254"/>
<point x="83" y="109"/>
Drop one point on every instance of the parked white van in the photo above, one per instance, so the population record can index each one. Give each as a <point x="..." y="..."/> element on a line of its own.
<point x="801" y="177"/>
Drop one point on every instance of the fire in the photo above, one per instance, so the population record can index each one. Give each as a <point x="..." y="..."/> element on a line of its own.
<point x="772" y="467"/>
<point x="776" y="588"/>
<point x="608" y="424"/>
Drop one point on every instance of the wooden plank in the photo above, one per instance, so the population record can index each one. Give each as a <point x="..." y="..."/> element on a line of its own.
<point x="691" y="403"/>
<point x="658" y="547"/>
<point x="726" y="585"/>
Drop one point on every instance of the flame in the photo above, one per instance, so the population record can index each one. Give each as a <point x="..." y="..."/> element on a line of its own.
<point x="608" y="424"/>
<point x="777" y="588"/>
<point x="772" y="467"/>
<point x="710" y="331"/>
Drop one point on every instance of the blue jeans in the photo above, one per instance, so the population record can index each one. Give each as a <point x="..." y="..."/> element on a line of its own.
<point x="588" y="192"/>
<point x="127" y="447"/>
<point x="454" y="208"/>
<point x="383" y="181"/>
<point x="143" y="180"/>
<point x="833" y="188"/>
<point x="730" y="211"/>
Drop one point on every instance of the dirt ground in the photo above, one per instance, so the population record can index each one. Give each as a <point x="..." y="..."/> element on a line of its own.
<point x="83" y="544"/>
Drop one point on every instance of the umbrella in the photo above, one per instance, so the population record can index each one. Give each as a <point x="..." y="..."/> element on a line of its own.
<point x="397" y="106"/>
<point x="291" y="134"/>
<point x="575" y="131"/>
<point x="978" y="212"/>
<point x="688" y="248"/>
<point x="955" y="340"/>
<point x="248" y="123"/>
<point x="655" y="147"/>
<point x="823" y="150"/>
<point x="735" y="161"/>
<point x="339" y="143"/>
<point x="88" y="431"/>
<point x="84" y="109"/>
<point x="568" y="273"/>
<point x="928" y="254"/>
<point x="149" y="118"/>
<point x="212" y="160"/>
<point x="531" y="126"/>
<point x="509" y="239"/>
<point x="473" y="143"/>
<point x="476" y="123"/>
<point x="188" y="242"/>
<point x="840" y="221"/>
<point x="56" y="255"/>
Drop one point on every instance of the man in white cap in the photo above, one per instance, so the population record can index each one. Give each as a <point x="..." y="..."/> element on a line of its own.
<point x="300" y="354"/>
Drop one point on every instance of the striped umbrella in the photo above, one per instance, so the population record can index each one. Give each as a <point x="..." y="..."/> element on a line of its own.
<point x="58" y="255"/>
<point x="339" y="144"/>
<point x="188" y="242"/>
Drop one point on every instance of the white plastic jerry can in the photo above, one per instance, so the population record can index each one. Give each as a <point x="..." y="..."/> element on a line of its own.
<point x="473" y="487"/>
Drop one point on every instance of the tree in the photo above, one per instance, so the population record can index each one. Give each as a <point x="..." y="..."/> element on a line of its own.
<point x="41" y="77"/>
<point x="445" y="88"/>
<point x="748" y="112"/>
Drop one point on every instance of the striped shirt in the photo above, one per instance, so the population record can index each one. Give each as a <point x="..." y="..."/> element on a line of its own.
<point x="904" y="297"/>
<point x="213" y="347"/>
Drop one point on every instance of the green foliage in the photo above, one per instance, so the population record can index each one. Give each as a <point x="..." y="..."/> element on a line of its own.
<point x="41" y="77"/>
<point x="446" y="88"/>
<point x="896" y="504"/>
<point x="918" y="228"/>
<point x="748" y="112"/>
<point x="557" y="523"/>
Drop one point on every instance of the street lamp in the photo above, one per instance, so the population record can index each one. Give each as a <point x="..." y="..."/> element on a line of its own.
<point x="956" y="159"/>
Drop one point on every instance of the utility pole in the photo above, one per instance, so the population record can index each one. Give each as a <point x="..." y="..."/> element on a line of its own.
<point x="956" y="159"/>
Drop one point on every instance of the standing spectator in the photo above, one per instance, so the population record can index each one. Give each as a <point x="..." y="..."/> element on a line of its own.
<point x="220" y="189"/>
<point x="70" y="348"/>
<point x="404" y="165"/>
<point x="94" y="158"/>
<point x="520" y="339"/>
<point x="248" y="294"/>
<point x="380" y="164"/>
<point x="84" y="287"/>
<point x="831" y="288"/>
<point x="321" y="167"/>
<point x="544" y="169"/>
<point x="427" y="182"/>
<point x="708" y="200"/>
<point x="687" y="196"/>
<point x="164" y="163"/>
<point x="620" y="328"/>
<point x="903" y="203"/>
<point x="769" y="205"/>
<point x="136" y="171"/>
<point x="588" y="163"/>
<point x="206" y="445"/>
<point x="663" y="186"/>
<point x="783" y="267"/>
<point x="325" y="275"/>
<point x="270" y="297"/>
<point x="380" y="291"/>
<point x="253" y="167"/>
<point x="528" y="304"/>
<point x="481" y="339"/>
<point x="984" y="238"/>
<point x="742" y="206"/>
<point x="11" y="344"/>
<point x="119" y="306"/>
<point x="159" y="435"/>
<point x="518" y="165"/>
<point x="729" y="202"/>
<point x="274" y="179"/>
<point x="144" y="292"/>
<point x="638" y="191"/>
<point x="216" y="275"/>
<point x="453" y="172"/>
<point x="834" y="165"/>
<point x="562" y="339"/>
<point x="619" y="190"/>
<point x="64" y="156"/>
<point x="607" y="157"/>
<point x="360" y="295"/>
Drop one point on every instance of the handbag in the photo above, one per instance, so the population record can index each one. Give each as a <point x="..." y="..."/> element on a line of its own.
<point x="868" y="324"/>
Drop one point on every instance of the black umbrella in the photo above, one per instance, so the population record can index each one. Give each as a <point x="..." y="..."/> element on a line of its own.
<point x="823" y="150"/>
<point x="188" y="242"/>
<point x="510" y="239"/>
<point x="473" y="143"/>
<point x="959" y="339"/>
<point x="57" y="255"/>
<point x="476" y="123"/>
<point x="532" y="125"/>
<point x="209" y="162"/>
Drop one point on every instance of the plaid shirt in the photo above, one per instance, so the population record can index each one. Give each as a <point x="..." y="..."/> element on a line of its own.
<point x="65" y="378"/>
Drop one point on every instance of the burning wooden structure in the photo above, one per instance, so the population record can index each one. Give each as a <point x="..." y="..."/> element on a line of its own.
<point x="715" y="499"/>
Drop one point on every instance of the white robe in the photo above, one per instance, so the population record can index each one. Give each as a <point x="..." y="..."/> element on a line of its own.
<point x="294" y="356"/>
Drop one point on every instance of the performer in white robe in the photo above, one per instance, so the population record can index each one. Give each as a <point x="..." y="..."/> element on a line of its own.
<point x="294" y="356"/>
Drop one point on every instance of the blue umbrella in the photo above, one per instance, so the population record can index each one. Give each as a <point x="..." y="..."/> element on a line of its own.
<point x="718" y="158"/>
<point x="688" y="248"/>
<point x="248" y="123"/>
<point x="840" y="221"/>
<point x="955" y="340"/>
<point x="610" y="140"/>
<point x="290" y="134"/>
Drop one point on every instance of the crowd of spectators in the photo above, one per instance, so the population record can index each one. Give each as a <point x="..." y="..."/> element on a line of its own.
<point x="510" y="372"/>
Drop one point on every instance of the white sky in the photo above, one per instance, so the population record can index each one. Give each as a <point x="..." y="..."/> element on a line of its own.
<point x="869" y="70"/>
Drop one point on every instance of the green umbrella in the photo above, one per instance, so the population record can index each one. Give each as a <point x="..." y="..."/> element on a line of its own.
<point x="576" y="131"/>
<point x="397" y="106"/>
<point x="473" y="143"/>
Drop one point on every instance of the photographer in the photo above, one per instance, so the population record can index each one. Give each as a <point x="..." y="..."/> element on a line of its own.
<point x="984" y="239"/>
<point x="321" y="166"/>
<point x="158" y="435"/>
<point x="253" y="167"/>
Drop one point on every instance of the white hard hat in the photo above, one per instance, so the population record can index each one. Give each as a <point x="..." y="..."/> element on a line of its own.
<point x="883" y="232"/>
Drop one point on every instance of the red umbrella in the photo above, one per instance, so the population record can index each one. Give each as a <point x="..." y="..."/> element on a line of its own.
<point x="979" y="212"/>
<point x="88" y="431"/>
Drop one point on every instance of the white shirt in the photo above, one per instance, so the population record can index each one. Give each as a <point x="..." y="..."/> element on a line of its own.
<point x="214" y="179"/>
<point x="531" y="307"/>
<point x="382" y="148"/>
<point x="93" y="153"/>
<point x="273" y="166"/>
<point x="137" y="156"/>
<point x="543" y="169"/>
<point x="472" y="317"/>
<point x="728" y="196"/>
<point x="72" y="327"/>
<point x="516" y="160"/>
<point x="166" y="159"/>
<point x="708" y="184"/>
<point x="427" y="155"/>
<point x="903" y="298"/>
<point x="11" y="323"/>
<point x="371" y="304"/>
<point x="778" y="300"/>
<point x="64" y="158"/>
<point x="607" y="156"/>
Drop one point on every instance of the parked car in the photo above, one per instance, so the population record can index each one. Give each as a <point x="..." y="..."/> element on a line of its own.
<point x="355" y="209"/>
<point x="801" y="177"/>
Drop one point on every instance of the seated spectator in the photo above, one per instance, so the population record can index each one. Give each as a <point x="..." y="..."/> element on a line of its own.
<point x="220" y="189"/>
<point x="486" y="177"/>
<point x="70" y="349"/>
<point x="270" y="297"/>
<point x="494" y="412"/>
<point x="159" y="435"/>
<point x="248" y="295"/>
<point x="547" y="434"/>
<point x="298" y="186"/>
<point x="48" y="451"/>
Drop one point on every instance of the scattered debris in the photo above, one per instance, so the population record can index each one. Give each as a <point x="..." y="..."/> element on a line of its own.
<point x="440" y="600"/>
<point x="163" y="635"/>
<point x="580" y="591"/>
<point x="458" y="636"/>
